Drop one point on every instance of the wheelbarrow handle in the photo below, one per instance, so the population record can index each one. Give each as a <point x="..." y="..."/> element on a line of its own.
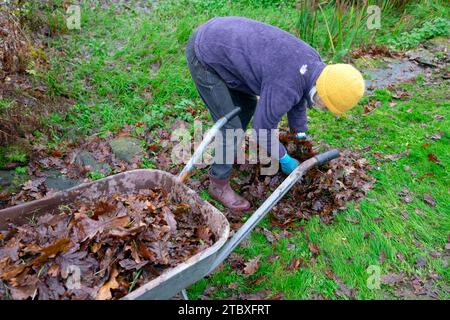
<point x="189" y="167"/>
<point x="230" y="115"/>
<point x="323" y="158"/>
<point x="270" y="202"/>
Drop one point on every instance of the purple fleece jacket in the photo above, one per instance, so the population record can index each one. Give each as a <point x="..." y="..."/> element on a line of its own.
<point x="263" y="60"/>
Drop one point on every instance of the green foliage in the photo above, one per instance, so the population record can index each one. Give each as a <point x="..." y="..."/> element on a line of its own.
<point x="399" y="5"/>
<point x="420" y="79"/>
<point x="430" y="29"/>
<point x="5" y="103"/>
<point x="148" y="164"/>
<point x="95" y="175"/>
<point x="184" y="29"/>
<point x="21" y="170"/>
<point x="17" y="157"/>
<point x="207" y="5"/>
<point x="13" y="154"/>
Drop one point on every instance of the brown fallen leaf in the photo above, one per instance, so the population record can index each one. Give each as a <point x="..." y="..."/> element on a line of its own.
<point x="437" y="135"/>
<point x="236" y="261"/>
<point x="122" y="232"/>
<point x="11" y="251"/>
<point x="161" y="250"/>
<point x="105" y="291"/>
<point x="92" y="227"/>
<point x="271" y="238"/>
<point x="182" y="208"/>
<point x="272" y="258"/>
<point x="407" y="199"/>
<point x="406" y="196"/>
<point x="353" y="220"/>
<point x="400" y="256"/>
<point x="259" y="295"/>
<point x="103" y="207"/>
<point x="257" y="281"/>
<point x="145" y="253"/>
<point x="59" y="246"/>
<point x="277" y="296"/>
<point x="433" y="158"/>
<point x="429" y="200"/>
<point x="296" y="263"/>
<point x="435" y="254"/>
<point x="129" y="264"/>
<point x="252" y="266"/>
<point x="382" y="257"/>
<point x="313" y="248"/>
<point x="12" y="271"/>
<point x="421" y="261"/>
<point x="169" y="217"/>
<point x="26" y="289"/>
<point x="395" y="157"/>
<point x="343" y="290"/>
<point x="203" y="232"/>
<point x="232" y="286"/>
<point x="96" y="246"/>
<point x="329" y="274"/>
<point x="392" y="278"/>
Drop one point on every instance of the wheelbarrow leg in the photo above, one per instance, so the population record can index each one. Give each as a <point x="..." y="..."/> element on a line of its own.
<point x="184" y="294"/>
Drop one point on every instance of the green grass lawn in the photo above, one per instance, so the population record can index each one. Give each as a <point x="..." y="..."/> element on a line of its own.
<point x="125" y="66"/>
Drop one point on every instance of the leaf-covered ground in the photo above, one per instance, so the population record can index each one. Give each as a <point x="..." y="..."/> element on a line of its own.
<point x="126" y="67"/>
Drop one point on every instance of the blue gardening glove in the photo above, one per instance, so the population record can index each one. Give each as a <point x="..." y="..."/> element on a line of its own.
<point x="288" y="164"/>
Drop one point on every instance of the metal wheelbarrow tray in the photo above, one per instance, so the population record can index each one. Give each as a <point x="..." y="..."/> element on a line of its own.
<point x="172" y="280"/>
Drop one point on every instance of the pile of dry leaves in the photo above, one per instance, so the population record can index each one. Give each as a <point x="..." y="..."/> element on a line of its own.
<point x="322" y="191"/>
<point x="99" y="251"/>
<point x="374" y="50"/>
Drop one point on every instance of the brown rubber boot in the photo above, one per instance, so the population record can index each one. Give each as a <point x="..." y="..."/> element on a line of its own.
<point x="220" y="190"/>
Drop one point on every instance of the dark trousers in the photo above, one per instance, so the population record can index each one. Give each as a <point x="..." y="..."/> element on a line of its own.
<point x="220" y="100"/>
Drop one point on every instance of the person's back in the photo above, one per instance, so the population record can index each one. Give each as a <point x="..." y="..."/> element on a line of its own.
<point x="249" y="55"/>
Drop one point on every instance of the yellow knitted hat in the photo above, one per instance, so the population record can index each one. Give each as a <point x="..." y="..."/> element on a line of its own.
<point x="340" y="86"/>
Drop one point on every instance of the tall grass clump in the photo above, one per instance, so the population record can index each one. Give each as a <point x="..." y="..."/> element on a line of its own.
<point x="334" y="27"/>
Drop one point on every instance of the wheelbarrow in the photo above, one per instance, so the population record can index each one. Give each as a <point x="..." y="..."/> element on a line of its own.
<point x="173" y="280"/>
